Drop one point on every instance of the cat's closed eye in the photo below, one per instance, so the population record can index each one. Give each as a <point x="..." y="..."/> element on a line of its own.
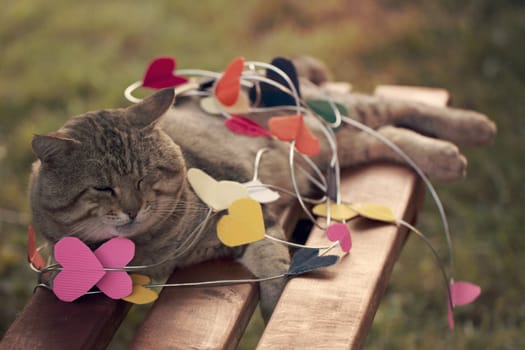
<point x="105" y="189"/>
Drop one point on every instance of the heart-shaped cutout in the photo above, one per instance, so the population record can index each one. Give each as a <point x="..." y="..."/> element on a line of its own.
<point x="271" y="95"/>
<point x="228" y="86"/>
<point x="462" y="293"/>
<point x="258" y="191"/>
<point x="292" y="128"/>
<point x="159" y="74"/>
<point x="376" y="212"/>
<point x="115" y="254"/>
<point x="324" y="109"/>
<point x="81" y="269"/>
<point x="308" y="259"/>
<point x="218" y="195"/>
<point x="140" y="294"/>
<point x="33" y="255"/>
<point x="341" y="233"/>
<point x="337" y="211"/>
<point x="245" y="126"/>
<point x="244" y="223"/>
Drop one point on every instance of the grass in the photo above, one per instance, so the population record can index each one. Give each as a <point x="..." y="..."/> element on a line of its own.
<point x="60" y="58"/>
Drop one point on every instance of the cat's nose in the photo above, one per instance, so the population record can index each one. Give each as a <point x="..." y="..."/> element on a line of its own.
<point x="132" y="214"/>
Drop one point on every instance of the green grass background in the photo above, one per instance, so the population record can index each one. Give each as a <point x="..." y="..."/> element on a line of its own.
<point x="60" y="58"/>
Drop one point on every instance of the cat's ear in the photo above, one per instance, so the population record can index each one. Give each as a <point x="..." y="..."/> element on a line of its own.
<point x="147" y="112"/>
<point x="52" y="146"/>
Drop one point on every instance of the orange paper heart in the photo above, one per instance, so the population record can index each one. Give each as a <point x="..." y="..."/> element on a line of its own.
<point x="244" y="224"/>
<point x="33" y="255"/>
<point x="292" y="128"/>
<point x="229" y="85"/>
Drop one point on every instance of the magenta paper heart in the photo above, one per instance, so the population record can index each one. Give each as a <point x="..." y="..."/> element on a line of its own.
<point x="81" y="269"/>
<point x="160" y="75"/>
<point x="462" y="293"/>
<point x="244" y="126"/>
<point x="115" y="254"/>
<point x="341" y="233"/>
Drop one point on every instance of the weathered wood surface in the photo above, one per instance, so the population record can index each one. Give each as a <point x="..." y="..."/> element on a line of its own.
<point x="335" y="309"/>
<point x="48" y="323"/>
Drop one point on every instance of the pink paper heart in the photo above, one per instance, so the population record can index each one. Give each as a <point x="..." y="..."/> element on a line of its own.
<point x="81" y="269"/>
<point x="160" y="75"/>
<point x="340" y="232"/>
<point x="245" y="126"/>
<point x="462" y="293"/>
<point x="115" y="254"/>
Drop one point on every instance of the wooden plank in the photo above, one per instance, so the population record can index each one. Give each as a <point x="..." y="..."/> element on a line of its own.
<point x="335" y="310"/>
<point x="200" y="317"/>
<point x="434" y="96"/>
<point x="48" y="323"/>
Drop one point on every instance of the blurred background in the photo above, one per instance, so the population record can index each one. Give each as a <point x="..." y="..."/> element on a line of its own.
<point x="60" y="58"/>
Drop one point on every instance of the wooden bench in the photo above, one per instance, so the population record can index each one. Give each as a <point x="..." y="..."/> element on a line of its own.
<point x="328" y="309"/>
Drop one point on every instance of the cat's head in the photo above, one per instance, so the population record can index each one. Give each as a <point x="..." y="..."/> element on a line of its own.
<point x="107" y="173"/>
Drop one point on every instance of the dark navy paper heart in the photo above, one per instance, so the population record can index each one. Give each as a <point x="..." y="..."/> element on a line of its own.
<point x="272" y="96"/>
<point x="307" y="259"/>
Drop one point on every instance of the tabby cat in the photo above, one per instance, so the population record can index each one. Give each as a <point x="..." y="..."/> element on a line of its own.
<point x="122" y="172"/>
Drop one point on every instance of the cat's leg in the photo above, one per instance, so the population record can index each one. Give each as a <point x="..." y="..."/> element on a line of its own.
<point x="267" y="258"/>
<point x="439" y="159"/>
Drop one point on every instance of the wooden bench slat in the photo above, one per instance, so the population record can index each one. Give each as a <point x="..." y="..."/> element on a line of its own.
<point x="48" y="323"/>
<point x="200" y="317"/>
<point x="335" y="309"/>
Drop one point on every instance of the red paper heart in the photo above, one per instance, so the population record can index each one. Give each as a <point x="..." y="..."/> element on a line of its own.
<point x="33" y="255"/>
<point x="244" y="126"/>
<point x="340" y="232"/>
<point x="229" y="85"/>
<point x="292" y="127"/>
<point x="160" y="75"/>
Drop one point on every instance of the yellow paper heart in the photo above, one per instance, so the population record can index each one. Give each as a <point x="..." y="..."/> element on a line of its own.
<point x="337" y="211"/>
<point x="218" y="195"/>
<point x="244" y="223"/>
<point x="375" y="212"/>
<point x="140" y="294"/>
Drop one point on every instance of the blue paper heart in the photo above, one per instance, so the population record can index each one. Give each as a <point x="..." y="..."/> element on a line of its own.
<point x="272" y="96"/>
<point x="308" y="259"/>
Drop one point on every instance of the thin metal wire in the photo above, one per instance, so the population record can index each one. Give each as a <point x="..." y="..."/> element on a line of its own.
<point x="421" y="174"/>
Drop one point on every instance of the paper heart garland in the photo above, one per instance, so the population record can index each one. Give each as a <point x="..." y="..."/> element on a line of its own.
<point x="324" y="109"/>
<point x="82" y="268"/>
<point x="229" y="85"/>
<point x="218" y="195"/>
<point x="462" y="293"/>
<point x="272" y="96"/>
<point x="243" y="224"/>
<point x="140" y="294"/>
<point x="376" y="212"/>
<point x="115" y="254"/>
<point x="33" y="255"/>
<point x="292" y="128"/>
<point x="337" y="211"/>
<point x="159" y="74"/>
<point x="260" y="192"/>
<point x="341" y="233"/>
<point x="307" y="259"/>
<point x="245" y="126"/>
